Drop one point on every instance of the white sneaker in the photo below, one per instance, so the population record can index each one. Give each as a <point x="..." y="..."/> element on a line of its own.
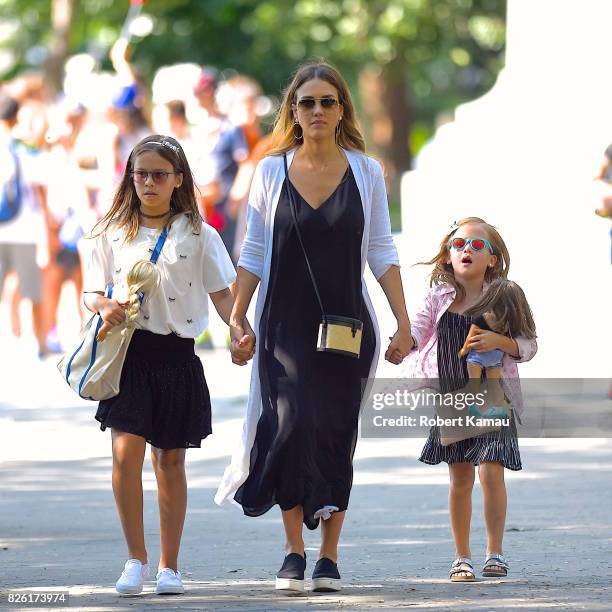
<point x="132" y="578"/>
<point x="169" y="582"/>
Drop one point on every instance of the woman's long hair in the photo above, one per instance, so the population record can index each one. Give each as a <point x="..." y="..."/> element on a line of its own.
<point x="444" y="273"/>
<point x="125" y="207"/>
<point x="349" y="134"/>
<point x="508" y="304"/>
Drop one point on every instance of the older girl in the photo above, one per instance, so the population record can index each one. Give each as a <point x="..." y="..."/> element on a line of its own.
<point x="163" y="396"/>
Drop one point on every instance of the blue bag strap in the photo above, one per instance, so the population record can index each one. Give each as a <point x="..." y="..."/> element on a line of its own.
<point x="92" y="360"/>
<point x="13" y="151"/>
<point x="159" y="244"/>
<point x="156" y="252"/>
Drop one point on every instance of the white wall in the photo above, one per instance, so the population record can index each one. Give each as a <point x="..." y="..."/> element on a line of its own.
<point x="523" y="157"/>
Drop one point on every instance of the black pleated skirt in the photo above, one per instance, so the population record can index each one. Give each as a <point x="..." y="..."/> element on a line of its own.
<point x="163" y="394"/>
<point x="496" y="446"/>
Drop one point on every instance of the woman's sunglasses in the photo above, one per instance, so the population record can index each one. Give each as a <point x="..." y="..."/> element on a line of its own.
<point x="477" y="244"/>
<point x="159" y="176"/>
<point x="309" y="103"/>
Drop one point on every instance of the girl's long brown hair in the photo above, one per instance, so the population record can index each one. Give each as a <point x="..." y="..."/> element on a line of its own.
<point x="349" y="135"/>
<point x="443" y="272"/>
<point x="124" y="210"/>
<point x="507" y="302"/>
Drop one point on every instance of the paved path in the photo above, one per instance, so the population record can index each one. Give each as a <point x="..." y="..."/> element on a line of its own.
<point x="58" y="525"/>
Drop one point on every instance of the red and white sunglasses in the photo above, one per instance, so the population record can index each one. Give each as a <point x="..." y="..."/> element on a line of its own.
<point x="477" y="244"/>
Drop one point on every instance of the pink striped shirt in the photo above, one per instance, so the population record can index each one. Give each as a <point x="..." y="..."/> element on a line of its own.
<point x="423" y="362"/>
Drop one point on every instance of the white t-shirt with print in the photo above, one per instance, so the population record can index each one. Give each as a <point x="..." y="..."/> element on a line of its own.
<point x="192" y="263"/>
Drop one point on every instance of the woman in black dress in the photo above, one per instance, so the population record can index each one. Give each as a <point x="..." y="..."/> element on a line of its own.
<point x="301" y="452"/>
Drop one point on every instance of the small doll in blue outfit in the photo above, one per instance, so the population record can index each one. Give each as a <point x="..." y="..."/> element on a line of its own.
<point x="504" y="309"/>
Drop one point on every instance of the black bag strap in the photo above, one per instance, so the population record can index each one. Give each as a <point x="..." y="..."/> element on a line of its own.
<point x="299" y="235"/>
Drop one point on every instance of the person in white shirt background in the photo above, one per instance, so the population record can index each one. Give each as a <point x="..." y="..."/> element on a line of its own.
<point x="222" y="148"/>
<point x="23" y="240"/>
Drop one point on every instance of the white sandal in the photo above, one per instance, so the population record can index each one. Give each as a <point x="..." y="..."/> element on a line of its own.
<point x="462" y="565"/>
<point x="495" y="566"/>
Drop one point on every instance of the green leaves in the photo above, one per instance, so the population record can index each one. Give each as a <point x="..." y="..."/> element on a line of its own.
<point x="438" y="39"/>
<point x="446" y="51"/>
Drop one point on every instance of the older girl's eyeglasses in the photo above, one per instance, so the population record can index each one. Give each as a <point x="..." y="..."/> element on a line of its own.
<point x="308" y="103"/>
<point x="159" y="176"/>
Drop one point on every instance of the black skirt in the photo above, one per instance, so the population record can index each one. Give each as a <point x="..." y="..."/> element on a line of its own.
<point x="497" y="446"/>
<point x="163" y="394"/>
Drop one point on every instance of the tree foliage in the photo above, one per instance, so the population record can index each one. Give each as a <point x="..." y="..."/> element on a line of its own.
<point x="453" y="49"/>
<point x="405" y="60"/>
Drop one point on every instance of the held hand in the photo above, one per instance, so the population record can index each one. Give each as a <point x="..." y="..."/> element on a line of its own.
<point x="242" y="345"/>
<point x="400" y="345"/>
<point x="484" y="341"/>
<point x="244" y="350"/>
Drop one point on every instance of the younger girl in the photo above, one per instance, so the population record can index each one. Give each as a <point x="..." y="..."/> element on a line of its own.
<point x="163" y="396"/>
<point x="472" y="255"/>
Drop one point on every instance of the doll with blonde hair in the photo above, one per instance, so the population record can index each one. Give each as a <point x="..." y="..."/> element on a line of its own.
<point x="143" y="278"/>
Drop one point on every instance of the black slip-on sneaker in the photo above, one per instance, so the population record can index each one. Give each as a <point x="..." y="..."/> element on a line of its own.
<point x="290" y="577"/>
<point x="326" y="576"/>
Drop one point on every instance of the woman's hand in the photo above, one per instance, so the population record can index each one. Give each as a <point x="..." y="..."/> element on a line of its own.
<point x="401" y="344"/>
<point x="242" y="344"/>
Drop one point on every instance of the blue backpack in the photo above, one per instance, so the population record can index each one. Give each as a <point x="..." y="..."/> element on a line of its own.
<point x="10" y="191"/>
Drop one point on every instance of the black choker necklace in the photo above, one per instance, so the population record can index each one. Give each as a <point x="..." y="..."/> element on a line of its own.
<point x="155" y="216"/>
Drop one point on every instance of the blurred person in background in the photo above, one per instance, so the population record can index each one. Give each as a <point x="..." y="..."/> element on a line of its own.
<point x="126" y="112"/>
<point x="31" y="92"/>
<point x="69" y="213"/>
<point x="29" y="89"/>
<point x="95" y="151"/>
<point x="22" y="215"/>
<point x="242" y="187"/>
<point x="603" y="192"/>
<point x="603" y="182"/>
<point x="241" y="99"/>
<point x="171" y="119"/>
<point x="221" y="149"/>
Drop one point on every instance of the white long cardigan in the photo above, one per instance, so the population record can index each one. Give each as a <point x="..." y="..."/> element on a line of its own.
<point x="377" y="249"/>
